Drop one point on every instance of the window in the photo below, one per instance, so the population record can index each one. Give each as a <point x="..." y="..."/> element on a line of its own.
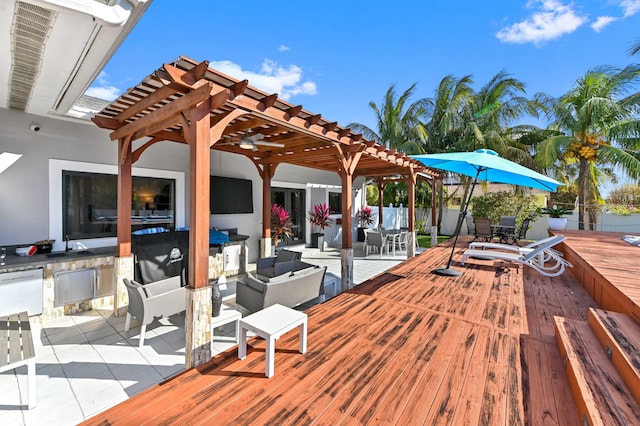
<point x="89" y="206"/>
<point x="335" y="202"/>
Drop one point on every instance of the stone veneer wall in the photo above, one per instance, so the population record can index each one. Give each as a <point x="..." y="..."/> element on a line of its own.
<point x="197" y="326"/>
<point x="123" y="269"/>
<point x="49" y="310"/>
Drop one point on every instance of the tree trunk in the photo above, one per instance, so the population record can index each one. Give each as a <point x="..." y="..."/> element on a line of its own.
<point x="440" y="207"/>
<point x="582" y="191"/>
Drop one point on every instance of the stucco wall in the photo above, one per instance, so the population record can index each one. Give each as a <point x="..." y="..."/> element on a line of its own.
<point x="24" y="187"/>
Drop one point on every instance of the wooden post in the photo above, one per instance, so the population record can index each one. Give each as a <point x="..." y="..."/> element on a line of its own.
<point x="434" y="209"/>
<point x="124" y="196"/>
<point x="381" y="185"/>
<point x="266" y="173"/>
<point x="411" y="237"/>
<point x="198" y="299"/>
<point x="124" y="260"/>
<point x="346" y="167"/>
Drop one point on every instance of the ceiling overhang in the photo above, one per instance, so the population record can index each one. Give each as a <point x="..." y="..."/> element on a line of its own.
<point x="153" y="109"/>
<point x="52" y="50"/>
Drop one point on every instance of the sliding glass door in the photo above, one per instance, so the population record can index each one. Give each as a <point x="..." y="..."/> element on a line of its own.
<point x="293" y="202"/>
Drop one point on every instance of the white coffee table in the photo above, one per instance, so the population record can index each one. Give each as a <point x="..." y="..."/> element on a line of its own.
<point x="271" y="323"/>
<point x="227" y="315"/>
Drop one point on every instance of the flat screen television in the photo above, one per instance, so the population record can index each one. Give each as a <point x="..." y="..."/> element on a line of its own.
<point x="230" y="195"/>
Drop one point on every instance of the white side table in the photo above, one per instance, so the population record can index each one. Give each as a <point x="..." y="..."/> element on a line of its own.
<point x="227" y="315"/>
<point x="271" y="323"/>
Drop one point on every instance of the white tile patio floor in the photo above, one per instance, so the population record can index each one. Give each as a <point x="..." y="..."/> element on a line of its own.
<point x="86" y="362"/>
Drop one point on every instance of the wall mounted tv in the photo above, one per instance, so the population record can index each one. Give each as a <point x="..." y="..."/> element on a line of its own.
<point x="230" y="195"/>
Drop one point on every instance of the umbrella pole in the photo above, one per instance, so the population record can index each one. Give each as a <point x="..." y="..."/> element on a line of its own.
<point x="449" y="271"/>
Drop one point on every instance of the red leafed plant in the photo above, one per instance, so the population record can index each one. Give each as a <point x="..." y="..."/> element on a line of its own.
<point x="365" y="216"/>
<point x="320" y="216"/>
<point x="280" y="223"/>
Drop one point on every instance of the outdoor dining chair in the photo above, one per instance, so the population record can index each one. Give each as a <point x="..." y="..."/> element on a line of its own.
<point x="471" y="226"/>
<point x="513" y="237"/>
<point x="483" y="229"/>
<point x="506" y="227"/>
<point x="376" y="240"/>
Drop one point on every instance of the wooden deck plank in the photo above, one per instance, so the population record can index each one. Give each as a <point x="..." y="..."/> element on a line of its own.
<point x="406" y="347"/>
<point x="494" y="400"/>
<point x="468" y="411"/>
<point x="421" y="399"/>
<point x="447" y="400"/>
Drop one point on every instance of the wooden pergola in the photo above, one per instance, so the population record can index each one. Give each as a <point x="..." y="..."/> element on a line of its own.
<point x="188" y="102"/>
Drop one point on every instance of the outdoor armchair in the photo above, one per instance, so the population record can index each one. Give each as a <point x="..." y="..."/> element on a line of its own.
<point x="158" y="299"/>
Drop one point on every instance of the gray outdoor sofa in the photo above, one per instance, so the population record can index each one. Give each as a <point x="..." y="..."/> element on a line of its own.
<point x="284" y="261"/>
<point x="290" y="289"/>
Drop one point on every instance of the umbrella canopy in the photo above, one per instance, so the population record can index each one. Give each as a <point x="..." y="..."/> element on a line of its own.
<point x="487" y="165"/>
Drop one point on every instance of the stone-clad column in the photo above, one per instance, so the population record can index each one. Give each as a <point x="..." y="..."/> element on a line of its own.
<point x="346" y="258"/>
<point x="123" y="268"/>
<point x="411" y="244"/>
<point x="198" y="326"/>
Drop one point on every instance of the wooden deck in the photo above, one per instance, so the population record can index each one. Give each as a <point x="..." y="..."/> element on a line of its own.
<point x="406" y="347"/>
<point x="608" y="267"/>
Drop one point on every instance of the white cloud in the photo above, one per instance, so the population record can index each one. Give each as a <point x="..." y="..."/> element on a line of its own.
<point x="103" y="90"/>
<point x="630" y="7"/>
<point x="283" y="48"/>
<point x="272" y="78"/>
<point x="551" y="20"/>
<point x="107" y="93"/>
<point x="602" y="22"/>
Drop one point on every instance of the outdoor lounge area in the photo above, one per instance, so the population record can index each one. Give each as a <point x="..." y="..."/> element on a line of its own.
<point x="87" y="362"/>
<point x="411" y="347"/>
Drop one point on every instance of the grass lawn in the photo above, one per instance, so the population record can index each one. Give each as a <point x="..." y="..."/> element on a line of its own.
<point x="424" y="241"/>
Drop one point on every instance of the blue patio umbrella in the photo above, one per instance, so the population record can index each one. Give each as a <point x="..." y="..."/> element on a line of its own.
<point x="486" y="165"/>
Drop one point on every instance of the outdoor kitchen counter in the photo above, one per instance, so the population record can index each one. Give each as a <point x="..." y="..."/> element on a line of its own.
<point x="37" y="260"/>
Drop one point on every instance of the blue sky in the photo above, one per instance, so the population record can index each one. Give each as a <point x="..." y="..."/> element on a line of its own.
<point x="334" y="57"/>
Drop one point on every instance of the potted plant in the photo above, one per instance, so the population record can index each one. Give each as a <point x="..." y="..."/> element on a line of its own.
<point x="281" y="225"/>
<point x="555" y="220"/>
<point x="364" y="216"/>
<point x="319" y="218"/>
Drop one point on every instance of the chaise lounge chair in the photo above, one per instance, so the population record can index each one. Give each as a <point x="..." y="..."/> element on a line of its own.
<point x="526" y="249"/>
<point x="539" y="259"/>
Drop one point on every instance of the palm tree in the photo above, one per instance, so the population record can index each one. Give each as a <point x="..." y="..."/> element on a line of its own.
<point x="598" y="125"/>
<point x="498" y="105"/>
<point x="446" y="122"/>
<point x="398" y="121"/>
<point x="634" y="48"/>
<point x="483" y="118"/>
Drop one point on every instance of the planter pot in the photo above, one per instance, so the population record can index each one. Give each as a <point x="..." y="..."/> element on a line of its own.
<point x="216" y="300"/>
<point x="361" y="234"/>
<point x="557" y="223"/>
<point x="317" y="240"/>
